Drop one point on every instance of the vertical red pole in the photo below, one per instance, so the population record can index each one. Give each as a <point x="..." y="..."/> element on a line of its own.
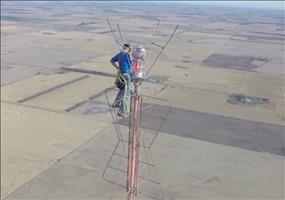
<point x="133" y="156"/>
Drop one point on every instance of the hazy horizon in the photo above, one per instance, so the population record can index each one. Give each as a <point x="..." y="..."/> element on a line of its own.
<point x="271" y="5"/>
<point x="276" y="5"/>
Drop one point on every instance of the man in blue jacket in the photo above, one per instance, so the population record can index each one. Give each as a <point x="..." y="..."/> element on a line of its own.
<point x="123" y="63"/>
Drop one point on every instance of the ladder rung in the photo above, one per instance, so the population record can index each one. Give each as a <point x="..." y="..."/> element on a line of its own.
<point x="146" y="163"/>
<point x="124" y="171"/>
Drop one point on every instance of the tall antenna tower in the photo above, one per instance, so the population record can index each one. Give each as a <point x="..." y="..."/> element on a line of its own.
<point x="135" y="119"/>
<point x="139" y="54"/>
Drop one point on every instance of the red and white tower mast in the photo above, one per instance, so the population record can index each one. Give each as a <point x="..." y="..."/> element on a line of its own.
<point x="139" y="54"/>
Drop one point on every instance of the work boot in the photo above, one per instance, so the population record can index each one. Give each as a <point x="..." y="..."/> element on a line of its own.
<point x="120" y="114"/>
<point x="115" y="105"/>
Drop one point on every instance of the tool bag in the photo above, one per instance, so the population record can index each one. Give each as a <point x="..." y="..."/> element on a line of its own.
<point x="120" y="81"/>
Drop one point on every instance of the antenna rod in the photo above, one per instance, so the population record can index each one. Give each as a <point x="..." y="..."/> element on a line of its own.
<point x="157" y="45"/>
<point x="112" y="31"/>
<point x="156" y="59"/>
<point x="120" y="33"/>
<point x="158" y="23"/>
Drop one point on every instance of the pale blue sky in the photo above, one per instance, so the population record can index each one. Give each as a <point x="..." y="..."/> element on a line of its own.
<point x="245" y="4"/>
